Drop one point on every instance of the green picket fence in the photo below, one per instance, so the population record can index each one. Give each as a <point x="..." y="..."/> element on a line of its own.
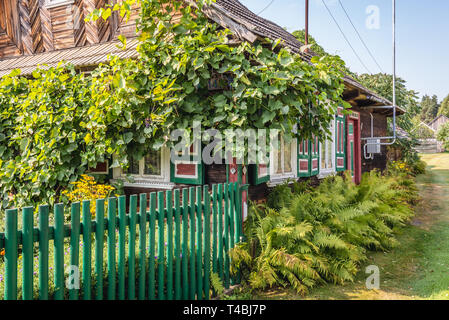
<point x="165" y="248"/>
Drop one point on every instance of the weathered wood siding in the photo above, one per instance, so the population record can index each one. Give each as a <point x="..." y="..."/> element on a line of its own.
<point x="30" y="26"/>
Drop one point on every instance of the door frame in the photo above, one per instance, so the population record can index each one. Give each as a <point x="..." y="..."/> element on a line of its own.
<point x="354" y="159"/>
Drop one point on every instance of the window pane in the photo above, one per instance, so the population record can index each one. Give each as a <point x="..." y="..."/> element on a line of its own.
<point x="329" y="154"/>
<point x="323" y="155"/>
<point x="278" y="160"/>
<point x="287" y="157"/>
<point x="152" y="163"/>
<point x="133" y="166"/>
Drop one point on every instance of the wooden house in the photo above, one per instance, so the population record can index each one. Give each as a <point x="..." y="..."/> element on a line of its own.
<point x="37" y="32"/>
<point x="438" y="122"/>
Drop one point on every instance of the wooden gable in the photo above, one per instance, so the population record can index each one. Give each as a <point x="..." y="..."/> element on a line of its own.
<point x="34" y="26"/>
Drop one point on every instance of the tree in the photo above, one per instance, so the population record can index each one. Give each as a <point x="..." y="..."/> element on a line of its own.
<point x="429" y="107"/>
<point x="443" y="135"/>
<point x="444" y="109"/>
<point x="319" y="50"/>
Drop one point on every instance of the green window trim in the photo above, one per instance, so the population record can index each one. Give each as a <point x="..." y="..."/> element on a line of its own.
<point x="254" y="179"/>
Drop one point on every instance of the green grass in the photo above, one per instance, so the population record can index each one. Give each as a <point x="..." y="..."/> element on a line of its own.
<point x="419" y="267"/>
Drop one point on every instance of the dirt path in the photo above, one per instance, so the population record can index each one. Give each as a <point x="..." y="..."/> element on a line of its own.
<point x="419" y="267"/>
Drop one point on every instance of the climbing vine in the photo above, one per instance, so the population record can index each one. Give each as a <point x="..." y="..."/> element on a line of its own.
<point x="58" y="123"/>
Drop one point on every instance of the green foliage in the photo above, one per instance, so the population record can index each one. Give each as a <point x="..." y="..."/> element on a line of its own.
<point x="429" y="107"/>
<point x="58" y="123"/>
<point x="323" y="235"/>
<point x="443" y="135"/>
<point x="444" y="109"/>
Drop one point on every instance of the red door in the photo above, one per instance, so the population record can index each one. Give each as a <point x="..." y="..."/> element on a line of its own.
<point x="353" y="148"/>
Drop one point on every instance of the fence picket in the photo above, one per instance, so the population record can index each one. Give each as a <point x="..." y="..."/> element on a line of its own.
<point x="185" y="239"/>
<point x="43" y="252"/>
<point x="161" y="246"/>
<point x="87" y="262"/>
<point x="27" y="253"/>
<point x="99" y="243"/>
<point x="74" y="247"/>
<point x="192" y="244"/>
<point x="132" y="248"/>
<point x="152" y="251"/>
<point x="226" y="235"/>
<point x="169" y="207"/>
<point x="59" y="252"/>
<point x="121" y="246"/>
<point x="142" y="244"/>
<point x="220" y="232"/>
<point x="112" y="216"/>
<point x="177" y="246"/>
<point x="199" y="244"/>
<point x="214" y="229"/>
<point x="11" y="255"/>
<point x="206" y="229"/>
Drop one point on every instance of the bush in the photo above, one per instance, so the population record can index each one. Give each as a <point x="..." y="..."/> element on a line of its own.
<point x="322" y="236"/>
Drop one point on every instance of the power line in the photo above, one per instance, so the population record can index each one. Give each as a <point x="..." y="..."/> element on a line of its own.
<point x="268" y="5"/>
<point x="344" y="36"/>
<point x="360" y="37"/>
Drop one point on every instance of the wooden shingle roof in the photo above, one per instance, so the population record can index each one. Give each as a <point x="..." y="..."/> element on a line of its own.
<point x="79" y="56"/>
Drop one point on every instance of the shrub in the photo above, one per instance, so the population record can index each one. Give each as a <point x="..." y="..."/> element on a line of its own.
<point x="88" y="189"/>
<point x="322" y="235"/>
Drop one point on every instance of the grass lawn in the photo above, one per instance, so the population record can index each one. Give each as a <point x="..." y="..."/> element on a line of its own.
<point x="419" y="267"/>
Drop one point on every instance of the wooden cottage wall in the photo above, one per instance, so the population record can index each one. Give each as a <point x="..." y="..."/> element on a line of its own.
<point x="380" y="130"/>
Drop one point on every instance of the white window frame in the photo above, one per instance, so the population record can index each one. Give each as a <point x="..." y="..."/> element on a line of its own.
<point x="161" y="181"/>
<point x="276" y="178"/>
<point x="325" y="172"/>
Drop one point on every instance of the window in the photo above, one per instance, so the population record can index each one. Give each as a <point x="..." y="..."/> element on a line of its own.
<point x="327" y="163"/>
<point x="283" y="160"/>
<point x="153" y="170"/>
<point x="54" y="3"/>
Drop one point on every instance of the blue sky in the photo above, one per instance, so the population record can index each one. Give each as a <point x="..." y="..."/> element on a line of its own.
<point x="422" y="36"/>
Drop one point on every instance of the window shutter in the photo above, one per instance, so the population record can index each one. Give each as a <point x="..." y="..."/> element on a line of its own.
<point x="303" y="158"/>
<point x="340" y="143"/>
<point x="187" y="172"/>
<point x="259" y="173"/>
<point x="314" y="156"/>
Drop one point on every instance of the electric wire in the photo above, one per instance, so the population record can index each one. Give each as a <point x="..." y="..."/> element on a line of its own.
<point x="360" y="37"/>
<point x="344" y="36"/>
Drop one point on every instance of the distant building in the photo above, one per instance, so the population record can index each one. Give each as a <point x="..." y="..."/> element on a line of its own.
<point x="438" y="122"/>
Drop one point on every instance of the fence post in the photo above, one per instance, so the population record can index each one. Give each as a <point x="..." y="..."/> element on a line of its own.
<point x="27" y="253"/>
<point x="11" y="255"/>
